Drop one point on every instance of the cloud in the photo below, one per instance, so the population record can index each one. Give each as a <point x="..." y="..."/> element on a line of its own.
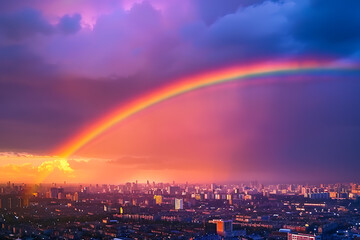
<point x="28" y="22"/>
<point x="24" y="23"/>
<point x="236" y="32"/>
<point x="33" y="168"/>
<point x="157" y="39"/>
<point x="70" y="24"/>
<point x="212" y="10"/>
<point x="49" y="166"/>
<point x="327" y="27"/>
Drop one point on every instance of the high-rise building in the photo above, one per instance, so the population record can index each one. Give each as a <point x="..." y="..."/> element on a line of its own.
<point x="56" y="192"/>
<point x="302" y="236"/>
<point x="10" y="203"/>
<point x="321" y="195"/>
<point x="174" y="190"/>
<point x="179" y="203"/>
<point x="158" y="199"/>
<point x="224" y="228"/>
<point x="76" y="196"/>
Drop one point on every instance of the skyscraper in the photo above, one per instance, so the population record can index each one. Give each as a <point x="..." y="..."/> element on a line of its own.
<point x="179" y="203"/>
<point x="158" y="199"/>
<point x="224" y="228"/>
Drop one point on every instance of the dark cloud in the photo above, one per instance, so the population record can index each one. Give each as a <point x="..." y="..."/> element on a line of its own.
<point x="330" y="27"/>
<point x="70" y="24"/>
<point x="268" y="29"/>
<point x="212" y="10"/>
<point x="237" y="33"/>
<point x="24" y="23"/>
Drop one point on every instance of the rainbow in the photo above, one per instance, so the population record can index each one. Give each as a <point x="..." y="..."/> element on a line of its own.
<point x="185" y="85"/>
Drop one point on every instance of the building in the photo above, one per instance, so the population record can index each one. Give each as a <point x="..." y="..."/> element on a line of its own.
<point x="56" y="192"/>
<point x="76" y="197"/>
<point x="179" y="203"/>
<point x="174" y="190"/>
<point x="158" y="199"/>
<point x="322" y="195"/>
<point x="302" y="236"/>
<point x="13" y="201"/>
<point x="224" y="228"/>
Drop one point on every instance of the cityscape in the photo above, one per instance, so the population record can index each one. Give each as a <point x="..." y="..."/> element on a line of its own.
<point x="179" y="120"/>
<point x="180" y="211"/>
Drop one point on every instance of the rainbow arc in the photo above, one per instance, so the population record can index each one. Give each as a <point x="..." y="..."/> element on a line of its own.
<point x="185" y="85"/>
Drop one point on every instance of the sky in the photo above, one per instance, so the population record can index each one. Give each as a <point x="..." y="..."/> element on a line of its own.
<point x="66" y="64"/>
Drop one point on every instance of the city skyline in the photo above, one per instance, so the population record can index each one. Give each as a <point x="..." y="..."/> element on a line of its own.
<point x="180" y="211"/>
<point x="202" y="91"/>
